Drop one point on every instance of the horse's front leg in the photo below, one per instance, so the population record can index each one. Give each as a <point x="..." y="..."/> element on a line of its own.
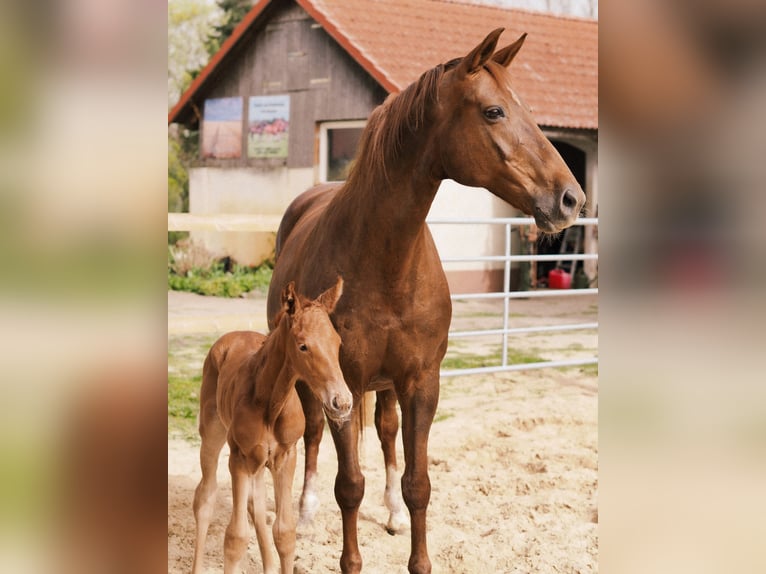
<point x="349" y="488"/>
<point x="257" y="508"/>
<point x="284" y="523"/>
<point x="387" y="425"/>
<point x="237" y="533"/>
<point x="312" y="436"/>
<point x="418" y="400"/>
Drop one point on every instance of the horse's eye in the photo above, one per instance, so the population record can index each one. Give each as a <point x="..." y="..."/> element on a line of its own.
<point x="494" y="113"/>
<point x="303" y="347"/>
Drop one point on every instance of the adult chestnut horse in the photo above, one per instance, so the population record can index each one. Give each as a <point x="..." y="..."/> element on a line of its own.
<point x="460" y="120"/>
<point x="248" y="398"/>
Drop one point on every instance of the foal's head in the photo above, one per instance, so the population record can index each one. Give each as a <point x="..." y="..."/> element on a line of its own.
<point x="487" y="137"/>
<point x="313" y="348"/>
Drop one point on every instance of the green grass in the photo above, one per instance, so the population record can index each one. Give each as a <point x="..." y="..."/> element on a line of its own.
<point x="183" y="404"/>
<point x="456" y="360"/>
<point x="443" y="416"/>
<point x="591" y="369"/>
<point x="186" y="354"/>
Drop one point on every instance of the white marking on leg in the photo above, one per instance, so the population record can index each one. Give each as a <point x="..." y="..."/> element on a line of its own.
<point x="309" y="500"/>
<point x="398" y="518"/>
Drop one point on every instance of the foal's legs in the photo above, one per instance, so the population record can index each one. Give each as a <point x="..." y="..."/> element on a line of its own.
<point x="237" y="533"/>
<point x="312" y="436"/>
<point x="213" y="435"/>
<point x="387" y="425"/>
<point x="284" y="523"/>
<point x="349" y="488"/>
<point x="257" y="508"/>
<point x="418" y="401"/>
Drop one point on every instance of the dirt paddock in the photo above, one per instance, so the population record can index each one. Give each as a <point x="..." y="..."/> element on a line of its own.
<point x="513" y="464"/>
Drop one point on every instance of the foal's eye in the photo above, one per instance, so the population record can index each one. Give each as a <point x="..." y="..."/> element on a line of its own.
<point x="303" y="347"/>
<point x="494" y="113"/>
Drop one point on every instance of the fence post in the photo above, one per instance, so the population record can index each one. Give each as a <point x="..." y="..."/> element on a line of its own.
<point x="506" y="291"/>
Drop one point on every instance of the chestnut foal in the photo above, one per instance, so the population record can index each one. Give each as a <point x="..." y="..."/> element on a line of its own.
<point x="248" y="397"/>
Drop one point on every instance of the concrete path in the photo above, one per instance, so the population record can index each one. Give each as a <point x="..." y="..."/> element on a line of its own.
<point x="189" y="313"/>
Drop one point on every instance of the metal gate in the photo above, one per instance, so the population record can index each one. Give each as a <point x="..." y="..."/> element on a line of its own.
<point x="507" y="331"/>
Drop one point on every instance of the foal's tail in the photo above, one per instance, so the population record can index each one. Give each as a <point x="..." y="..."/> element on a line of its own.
<point x="208" y="408"/>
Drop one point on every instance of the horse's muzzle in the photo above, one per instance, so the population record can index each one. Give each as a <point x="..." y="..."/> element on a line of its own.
<point x="338" y="407"/>
<point x="563" y="213"/>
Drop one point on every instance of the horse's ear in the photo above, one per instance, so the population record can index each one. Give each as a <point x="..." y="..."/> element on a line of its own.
<point x="289" y="300"/>
<point x="481" y="53"/>
<point x="329" y="298"/>
<point x="505" y="56"/>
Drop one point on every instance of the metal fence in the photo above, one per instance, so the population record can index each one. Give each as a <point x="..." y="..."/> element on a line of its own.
<point x="507" y="332"/>
<point x="189" y="222"/>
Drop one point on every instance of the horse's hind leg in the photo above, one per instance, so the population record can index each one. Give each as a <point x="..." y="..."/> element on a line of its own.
<point x="312" y="436"/>
<point x="213" y="435"/>
<point x="387" y="425"/>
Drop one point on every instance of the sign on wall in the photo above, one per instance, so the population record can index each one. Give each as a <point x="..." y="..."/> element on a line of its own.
<point x="269" y="126"/>
<point x="222" y="129"/>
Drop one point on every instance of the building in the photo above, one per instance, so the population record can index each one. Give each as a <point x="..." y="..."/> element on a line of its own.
<point x="281" y="106"/>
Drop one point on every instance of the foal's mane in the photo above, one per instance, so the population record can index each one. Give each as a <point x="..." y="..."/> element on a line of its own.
<point x="390" y="123"/>
<point x="306" y="304"/>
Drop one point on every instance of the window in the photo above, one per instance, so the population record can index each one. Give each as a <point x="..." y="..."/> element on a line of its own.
<point x="337" y="147"/>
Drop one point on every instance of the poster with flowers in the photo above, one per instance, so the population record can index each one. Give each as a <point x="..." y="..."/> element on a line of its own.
<point x="268" y="126"/>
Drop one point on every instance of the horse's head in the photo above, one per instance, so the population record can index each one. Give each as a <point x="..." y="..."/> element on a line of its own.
<point x="313" y="348"/>
<point x="488" y="138"/>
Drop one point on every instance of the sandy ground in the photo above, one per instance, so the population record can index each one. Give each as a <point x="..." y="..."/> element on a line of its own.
<point x="513" y="464"/>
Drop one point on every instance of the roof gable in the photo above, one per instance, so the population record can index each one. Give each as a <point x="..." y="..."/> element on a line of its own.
<point x="395" y="41"/>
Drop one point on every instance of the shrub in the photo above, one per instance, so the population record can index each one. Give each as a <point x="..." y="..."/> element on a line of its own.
<point x="192" y="268"/>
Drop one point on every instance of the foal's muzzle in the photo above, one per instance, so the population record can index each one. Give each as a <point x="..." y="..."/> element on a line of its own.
<point x="338" y="407"/>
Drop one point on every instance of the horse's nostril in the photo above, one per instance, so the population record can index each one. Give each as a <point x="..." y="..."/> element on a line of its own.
<point x="339" y="404"/>
<point x="568" y="199"/>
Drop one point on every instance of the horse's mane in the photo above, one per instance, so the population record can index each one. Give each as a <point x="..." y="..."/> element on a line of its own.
<point x="391" y="122"/>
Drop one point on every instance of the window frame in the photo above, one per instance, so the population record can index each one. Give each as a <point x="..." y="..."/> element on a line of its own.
<point x="324" y="127"/>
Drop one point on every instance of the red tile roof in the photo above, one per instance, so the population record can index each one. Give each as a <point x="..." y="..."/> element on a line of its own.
<point x="397" y="40"/>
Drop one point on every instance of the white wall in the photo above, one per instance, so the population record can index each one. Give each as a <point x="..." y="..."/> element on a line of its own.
<point x="454" y="200"/>
<point x="242" y="191"/>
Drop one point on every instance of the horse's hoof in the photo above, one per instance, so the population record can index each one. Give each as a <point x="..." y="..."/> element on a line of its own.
<point x="397" y="522"/>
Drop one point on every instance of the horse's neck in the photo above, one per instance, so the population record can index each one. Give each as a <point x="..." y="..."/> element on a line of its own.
<point x="385" y="211"/>
<point x="274" y="376"/>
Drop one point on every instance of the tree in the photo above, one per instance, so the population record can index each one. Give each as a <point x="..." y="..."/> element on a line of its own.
<point x="189" y="25"/>
<point x="233" y="13"/>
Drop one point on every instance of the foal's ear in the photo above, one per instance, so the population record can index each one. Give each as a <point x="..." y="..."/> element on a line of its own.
<point x="505" y="56"/>
<point x="481" y="53"/>
<point x="289" y="300"/>
<point x="329" y="298"/>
